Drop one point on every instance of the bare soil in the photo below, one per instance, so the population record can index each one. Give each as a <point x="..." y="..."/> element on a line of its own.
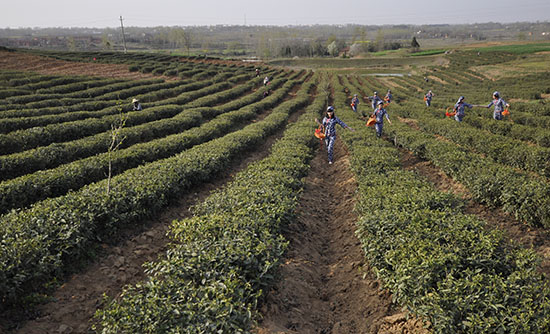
<point x="437" y="79"/>
<point x="478" y="76"/>
<point x="413" y="123"/>
<point x="46" y="65"/>
<point x="325" y="284"/>
<point x="388" y="82"/>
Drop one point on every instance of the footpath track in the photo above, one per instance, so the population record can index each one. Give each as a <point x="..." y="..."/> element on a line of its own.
<point x="325" y="284"/>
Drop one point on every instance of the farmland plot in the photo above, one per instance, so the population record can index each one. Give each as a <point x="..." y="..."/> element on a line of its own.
<point x="226" y="198"/>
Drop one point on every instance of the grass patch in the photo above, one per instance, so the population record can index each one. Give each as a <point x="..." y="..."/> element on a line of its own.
<point x="386" y="52"/>
<point x="429" y="52"/>
<point x="516" y="48"/>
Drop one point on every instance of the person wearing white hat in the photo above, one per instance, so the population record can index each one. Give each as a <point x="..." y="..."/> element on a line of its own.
<point x="459" y="108"/>
<point x="375" y="99"/>
<point x="137" y="105"/>
<point x="499" y="104"/>
<point x="379" y="114"/>
<point x="428" y="98"/>
<point x="329" y="125"/>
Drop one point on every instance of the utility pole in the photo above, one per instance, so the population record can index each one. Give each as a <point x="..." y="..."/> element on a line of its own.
<point x="123" y="38"/>
<point x="245" y="33"/>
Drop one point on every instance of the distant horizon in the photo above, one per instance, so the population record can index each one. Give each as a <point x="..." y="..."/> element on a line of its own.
<point x="101" y="14"/>
<point x="282" y="25"/>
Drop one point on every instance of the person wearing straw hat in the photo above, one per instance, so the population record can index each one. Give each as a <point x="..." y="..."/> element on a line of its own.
<point x="137" y="105"/>
<point x="329" y="124"/>
<point x="459" y="108"/>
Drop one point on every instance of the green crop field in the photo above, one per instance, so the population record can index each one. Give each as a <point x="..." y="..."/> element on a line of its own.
<point x="461" y="245"/>
<point x="525" y="48"/>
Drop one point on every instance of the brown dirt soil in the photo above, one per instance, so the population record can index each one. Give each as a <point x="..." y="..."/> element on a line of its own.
<point x="75" y="302"/>
<point x="442" y="61"/>
<point x="45" y="65"/>
<point x="438" y="79"/>
<point x="492" y="74"/>
<point x="325" y="284"/>
<point x="477" y="75"/>
<point x="536" y="238"/>
<point x="388" y="82"/>
<point x="413" y="85"/>
<point x="413" y="123"/>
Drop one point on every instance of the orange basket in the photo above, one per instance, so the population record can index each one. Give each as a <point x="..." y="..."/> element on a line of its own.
<point x="371" y="121"/>
<point x="319" y="133"/>
<point x="425" y="98"/>
<point x="505" y="112"/>
<point x="449" y="114"/>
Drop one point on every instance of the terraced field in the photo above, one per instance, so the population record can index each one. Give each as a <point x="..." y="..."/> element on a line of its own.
<point x="217" y="211"/>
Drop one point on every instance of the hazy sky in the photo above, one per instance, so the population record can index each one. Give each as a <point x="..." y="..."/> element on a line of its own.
<point x="148" y="13"/>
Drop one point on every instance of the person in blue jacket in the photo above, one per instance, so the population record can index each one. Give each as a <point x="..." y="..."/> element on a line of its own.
<point x="379" y="113"/>
<point x="499" y="104"/>
<point x="428" y="98"/>
<point x="329" y="124"/>
<point x="354" y="103"/>
<point x="388" y="98"/>
<point x="459" y="108"/>
<point x="375" y="99"/>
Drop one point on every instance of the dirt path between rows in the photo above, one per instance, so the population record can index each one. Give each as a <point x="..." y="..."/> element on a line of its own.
<point x="537" y="239"/>
<point x="75" y="302"/>
<point x="325" y="284"/>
